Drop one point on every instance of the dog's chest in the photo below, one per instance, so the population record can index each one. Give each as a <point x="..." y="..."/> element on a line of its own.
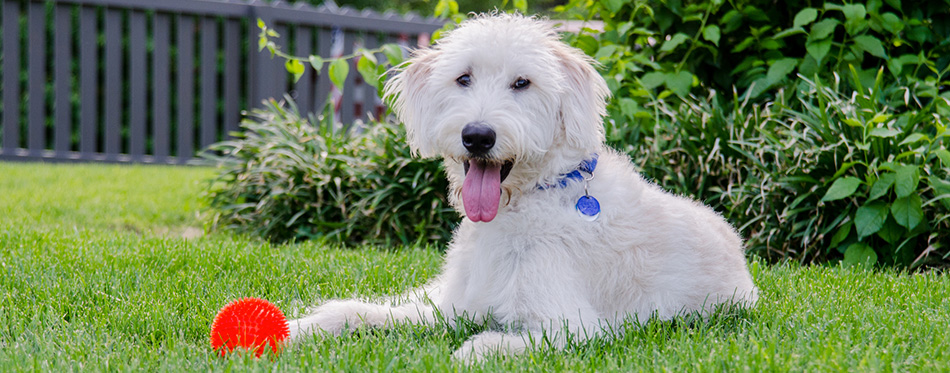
<point x="515" y="276"/>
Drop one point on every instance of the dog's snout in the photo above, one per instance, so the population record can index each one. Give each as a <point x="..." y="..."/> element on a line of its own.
<point x="478" y="138"/>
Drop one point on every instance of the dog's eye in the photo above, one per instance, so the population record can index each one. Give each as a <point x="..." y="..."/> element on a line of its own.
<point x="464" y="80"/>
<point x="521" y="83"/>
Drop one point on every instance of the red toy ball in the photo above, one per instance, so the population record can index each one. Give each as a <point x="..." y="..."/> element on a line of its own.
<point x="250" y="323"/>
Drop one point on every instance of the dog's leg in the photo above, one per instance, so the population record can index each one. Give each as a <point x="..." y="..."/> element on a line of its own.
<point x="555" y="336"/>
<point x="335" y="316"/>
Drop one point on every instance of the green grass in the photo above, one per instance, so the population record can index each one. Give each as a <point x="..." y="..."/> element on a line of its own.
<point x="97" y="276"/>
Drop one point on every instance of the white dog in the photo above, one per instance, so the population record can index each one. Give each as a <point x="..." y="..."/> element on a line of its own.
<point x="561" y="235"/>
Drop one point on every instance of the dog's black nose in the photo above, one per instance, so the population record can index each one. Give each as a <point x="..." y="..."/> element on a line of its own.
<point x="478" y="138"/>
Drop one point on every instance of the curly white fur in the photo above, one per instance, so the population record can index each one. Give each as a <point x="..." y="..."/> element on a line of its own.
<point x="538" y="267"/>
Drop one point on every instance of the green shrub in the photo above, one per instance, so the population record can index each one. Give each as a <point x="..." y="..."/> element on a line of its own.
<point x="656" y="49"/>
<point x="814" y="176"/>
<point x="283" y="178"/>
<point x="850" y="176"/>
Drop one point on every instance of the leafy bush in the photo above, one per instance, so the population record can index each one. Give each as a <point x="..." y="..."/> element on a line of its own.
<point x="815" y="175"/>
<point x="851" y="176"/>
<point x="284" y="178"/>
<point x="657" y="49"/>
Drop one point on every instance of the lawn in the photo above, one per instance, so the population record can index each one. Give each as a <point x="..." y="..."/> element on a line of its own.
<point x="104" y="268"/>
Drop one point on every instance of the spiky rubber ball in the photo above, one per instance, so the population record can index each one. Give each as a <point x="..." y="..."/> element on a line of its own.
<point x="250" y="323"/>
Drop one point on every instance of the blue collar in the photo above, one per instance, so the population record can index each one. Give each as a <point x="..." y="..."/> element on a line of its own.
<point x="586" y="166"/>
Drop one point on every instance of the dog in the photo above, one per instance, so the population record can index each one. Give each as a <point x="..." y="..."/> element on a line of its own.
<point x="562" y="239"/>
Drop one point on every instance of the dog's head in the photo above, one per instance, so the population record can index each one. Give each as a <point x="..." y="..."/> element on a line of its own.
<point x="504" y="102"/>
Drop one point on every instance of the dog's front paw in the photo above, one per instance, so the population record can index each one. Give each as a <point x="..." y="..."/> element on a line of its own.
<point x="333" y="317"/>
<point x="488" y="344"/>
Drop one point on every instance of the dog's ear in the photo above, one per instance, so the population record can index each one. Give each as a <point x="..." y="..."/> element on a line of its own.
<point x="583" y="101"/>
<point x="411" y="97"/>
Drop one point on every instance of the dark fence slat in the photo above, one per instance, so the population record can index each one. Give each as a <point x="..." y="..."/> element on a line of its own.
<point x="324" y="45"/>
<point x="62" y="78"/>
<point x="11" y="76"/>
<point x="349" y="86"/>
<point x="88" y="81"/>
<point x="304" y="86"/>
<point x="137" y="85"/>
<point x="36" y="67"/>
<point x="112" y="134"/>
<point x="186" y="88"/>
<point x="368" y="109"/>
<point x="232" y="74"/>
<point x="161" y="76"/>
<point x="279" y="72"/>
<point x="209" y="81"/>
<point x="262" y="66"/>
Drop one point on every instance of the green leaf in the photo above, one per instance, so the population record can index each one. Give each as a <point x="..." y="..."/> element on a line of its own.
<point x="885" y="132"/>
<point x="881" y="186"/>
<point x="841" y="234"/>
<point x="587" y="44"/>
<point x="674" y="42"/>
<point x="853" y="122"/>
<point x="613" y="5"/>
<point x="892" y="22"/>
<point x="367" y="69"/>
<point x="805" y="16"/>
<point x="712" y="33"/>
<point x="260" y="24"/>
<point x="818" y="49"/>
<point x="841" y="188"/>
<point x="822" y="29"/>
<point x="870" y="218"/>
<point x="339" y="69"/>
<point x="896" y="4"/>
<point x="859" y="255"/>
<point x="907" y="180"/>
<point x="907" y="211"/>
<point x="261" y="43"/>
<point x="871" y="45"/>
<point x="680" y="83"/>
<point x="652" y="80"/>
<point x="942" y="189"/>
<point x="295" y="67"/>
<point x="944" y="156"/>
<point x="780" y="69"/>
<point x="915" y="137"/>
<point x="317" y="63"/>
<point x="628" y="106"/>
<point x="854" y="12"/>
<point x="789" y="32"/>
<point x="365" y="54"/>
<point x="891" y="231"/>
<point x="393" y="53"/>
<point x="896" y="65"/>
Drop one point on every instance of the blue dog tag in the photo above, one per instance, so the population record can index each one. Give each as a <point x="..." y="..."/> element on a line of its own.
<point x="588" y="208"/>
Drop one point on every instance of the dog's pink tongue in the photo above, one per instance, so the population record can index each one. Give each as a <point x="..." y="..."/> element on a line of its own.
<point x="481" y="191"/>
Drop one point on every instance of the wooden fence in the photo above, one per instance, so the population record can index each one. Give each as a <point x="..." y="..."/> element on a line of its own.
<point x="154" y="81"/>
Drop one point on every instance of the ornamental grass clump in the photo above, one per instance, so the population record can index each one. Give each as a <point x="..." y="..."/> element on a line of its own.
<point x="286" y="177"/>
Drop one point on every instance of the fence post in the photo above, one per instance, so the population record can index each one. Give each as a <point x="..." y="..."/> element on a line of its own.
<point x="11" y="76"/>
<point x="261" y="69"/>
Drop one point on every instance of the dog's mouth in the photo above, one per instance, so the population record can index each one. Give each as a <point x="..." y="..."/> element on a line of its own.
<point x="481" y="191"/>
